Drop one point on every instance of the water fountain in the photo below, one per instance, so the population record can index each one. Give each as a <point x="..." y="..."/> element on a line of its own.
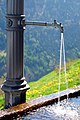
<point x="15" y="85"/>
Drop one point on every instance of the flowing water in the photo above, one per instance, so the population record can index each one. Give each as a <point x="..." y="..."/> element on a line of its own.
<point x="65" y="110"/>
<point x="62" y="55"/>
<point x="69" y="111"/>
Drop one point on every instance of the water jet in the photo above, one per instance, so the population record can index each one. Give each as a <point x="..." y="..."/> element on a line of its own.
<point x="15" y="85"/>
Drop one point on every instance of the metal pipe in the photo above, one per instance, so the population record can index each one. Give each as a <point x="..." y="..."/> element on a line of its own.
<point x="54" y="24"/>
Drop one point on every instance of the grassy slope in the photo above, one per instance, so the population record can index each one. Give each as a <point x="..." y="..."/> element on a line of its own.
<point x="49" y="83"/>
<point x="1" y="94"/>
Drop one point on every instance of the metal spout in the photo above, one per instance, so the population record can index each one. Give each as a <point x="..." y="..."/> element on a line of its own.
<point x="54" y="24"/>
<point x="58" y="25"/>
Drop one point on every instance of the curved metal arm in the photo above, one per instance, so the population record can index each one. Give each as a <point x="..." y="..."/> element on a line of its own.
<point x="58" y="25"/>
<point x="55" y="24"/>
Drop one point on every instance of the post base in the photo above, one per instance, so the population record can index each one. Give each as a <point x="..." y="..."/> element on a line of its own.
<point x="13" y="99"/>
<point x="15" y="93"/>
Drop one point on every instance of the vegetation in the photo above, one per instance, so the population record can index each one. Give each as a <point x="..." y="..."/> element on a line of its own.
<point x="1" y="102"/>
<point x="49" y="83"/>
<point x="1" y="94"/>
<point x="42" y="44"/>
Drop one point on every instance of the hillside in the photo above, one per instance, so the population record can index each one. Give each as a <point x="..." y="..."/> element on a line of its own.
<point x="49" y="83"/>
<point x="42" y="44"/>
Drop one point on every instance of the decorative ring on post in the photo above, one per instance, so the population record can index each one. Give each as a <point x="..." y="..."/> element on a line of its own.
<point x="9" y="22"/>
<point x="15" y="22"/>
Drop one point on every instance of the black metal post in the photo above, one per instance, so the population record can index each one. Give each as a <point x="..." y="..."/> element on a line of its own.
<point x="15" y="85"/>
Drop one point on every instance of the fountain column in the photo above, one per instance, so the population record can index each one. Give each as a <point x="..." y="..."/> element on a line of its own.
<point x="15" y="85"/>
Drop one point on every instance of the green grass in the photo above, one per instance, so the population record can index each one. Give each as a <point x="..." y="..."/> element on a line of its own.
<point x="1" y="102"/>
<point x="49" y="83"/>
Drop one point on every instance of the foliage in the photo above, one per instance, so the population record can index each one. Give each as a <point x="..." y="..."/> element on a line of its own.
<point x="1" y="94"/>
<point x="1" y="102"/>
<point x="42" y="44"/>
<point x="49" y="83"/>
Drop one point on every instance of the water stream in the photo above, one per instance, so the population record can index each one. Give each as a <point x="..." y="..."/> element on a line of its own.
<point x="65" y="110"/>
<point x="69" y="111"/>
<point x="62" y="55"/>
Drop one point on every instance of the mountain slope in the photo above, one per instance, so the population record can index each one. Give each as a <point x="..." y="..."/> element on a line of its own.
<point x="49" y="83"/>
<point x="42" y="44"/>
